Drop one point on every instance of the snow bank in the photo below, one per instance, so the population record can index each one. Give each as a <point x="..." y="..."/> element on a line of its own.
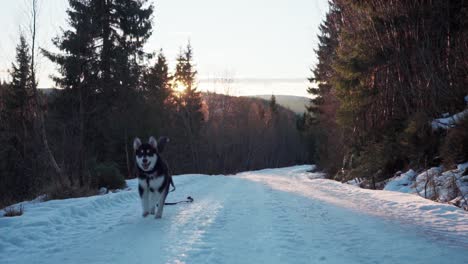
<point x="443" y="186"/>
<point x="448" y="122"/>
<point x="402" y="183"/>
<point x="441" y="220"/>
<point x="25" y="204"/>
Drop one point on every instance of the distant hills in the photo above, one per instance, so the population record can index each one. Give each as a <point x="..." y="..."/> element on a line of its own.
<point x="294" y="103"/>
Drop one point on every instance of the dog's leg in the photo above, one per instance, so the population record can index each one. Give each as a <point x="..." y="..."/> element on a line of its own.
<point x="144" y="199"/>
<point x="153" y="200"/>
<point x="162" y="200"/>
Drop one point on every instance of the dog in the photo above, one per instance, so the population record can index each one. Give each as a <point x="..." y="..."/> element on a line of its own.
<point x="153" y="175"/>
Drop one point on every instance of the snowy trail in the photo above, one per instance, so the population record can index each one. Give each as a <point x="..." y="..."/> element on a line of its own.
<point x="269" y="216"/>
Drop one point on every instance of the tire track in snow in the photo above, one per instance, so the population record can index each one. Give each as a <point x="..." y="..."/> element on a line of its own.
<point x="133" y="239"/>
<point x="233" y="220"/>
<point x="259" y="224"/>
<point x="71" y="222"/>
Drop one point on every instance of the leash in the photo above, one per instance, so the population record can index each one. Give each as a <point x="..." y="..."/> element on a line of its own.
<point x="189" y="200"/>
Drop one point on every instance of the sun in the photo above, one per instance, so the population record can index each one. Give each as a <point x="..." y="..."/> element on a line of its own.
<point x="178" y="87"/>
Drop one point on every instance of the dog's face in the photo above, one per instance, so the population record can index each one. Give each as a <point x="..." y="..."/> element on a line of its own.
<point x="146" y="154"/>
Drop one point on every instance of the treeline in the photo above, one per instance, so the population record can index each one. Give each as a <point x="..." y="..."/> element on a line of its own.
<point x="70" y="141"/>
<point x="386" y="70"/>
<point x="245" y="133"/>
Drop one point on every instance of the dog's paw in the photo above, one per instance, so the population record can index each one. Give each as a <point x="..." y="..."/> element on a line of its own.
<point x="158" y="216"/>
<point x="145" y="214"/>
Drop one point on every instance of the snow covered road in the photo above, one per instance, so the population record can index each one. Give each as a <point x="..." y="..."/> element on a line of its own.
<point x="269" y="216"/>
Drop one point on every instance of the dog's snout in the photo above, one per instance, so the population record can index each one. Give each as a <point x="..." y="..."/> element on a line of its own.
<point x="145" y="160"/>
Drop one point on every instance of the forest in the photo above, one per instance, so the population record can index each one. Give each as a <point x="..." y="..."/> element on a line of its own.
<point x="386" y="71"/>
<point x="72" y="140"/>
<point x="113" y="148"/>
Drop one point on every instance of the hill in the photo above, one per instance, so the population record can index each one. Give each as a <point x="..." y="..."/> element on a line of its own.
<point x="294" y="103"/>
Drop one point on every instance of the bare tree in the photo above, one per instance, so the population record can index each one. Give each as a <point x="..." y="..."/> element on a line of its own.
<point x="36" y="95"/>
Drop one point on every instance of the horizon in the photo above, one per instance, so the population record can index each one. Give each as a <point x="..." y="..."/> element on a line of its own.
<point x="219" y="86"/>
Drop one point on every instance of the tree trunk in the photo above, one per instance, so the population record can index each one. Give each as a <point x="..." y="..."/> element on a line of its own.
<point x="40" y="114"/>
<point x="81" y="147"/>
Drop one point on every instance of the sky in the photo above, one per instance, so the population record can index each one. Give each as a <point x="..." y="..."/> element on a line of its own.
<point x="260" y="46"/>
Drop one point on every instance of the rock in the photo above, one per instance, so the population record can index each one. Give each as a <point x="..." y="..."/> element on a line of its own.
<point x="456" y="201"/>
<point x="103" y="190"/>
<point x="465" y="173"/>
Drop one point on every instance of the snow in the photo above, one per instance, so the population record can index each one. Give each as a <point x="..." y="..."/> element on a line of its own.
<point x="283" y="215"/>
<point x="462" y="167"/>
<point x="448" y="122"/>
<point x="355" y="182"/>
<point x="449" y="186"/>
<point x="402" y="183"/>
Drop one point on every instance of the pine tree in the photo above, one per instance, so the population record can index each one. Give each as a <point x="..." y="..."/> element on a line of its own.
<point x="321" y="81"/>
<point x="190" y="98"/>
<point x="157" y="82"/>
<point x="100" y="65"/>
<point x="273" y="105"/>
<point x="19" y="94"/>
<point x="16" y="134"/>
<point x="158" y="98"/>
<point x="189" y="101"/>
<point x="322" y="133"/>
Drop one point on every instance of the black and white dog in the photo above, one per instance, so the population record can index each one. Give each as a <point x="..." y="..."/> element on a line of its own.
<point x="153" y="174"/>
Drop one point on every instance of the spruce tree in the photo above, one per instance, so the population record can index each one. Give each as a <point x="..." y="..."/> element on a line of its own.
<point x="158" y="103"/>
<point x="189" y="101"/>
<point x="100" y="63"/>
<point x="16" y="133"/>
<point x="20" y="87"/>
<point x="157" y="81"/>
<point x="322" y="133"/>
<point x="190" y="98"/>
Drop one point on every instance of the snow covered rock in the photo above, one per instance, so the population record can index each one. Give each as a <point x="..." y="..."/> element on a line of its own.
<point x="355" y="182"/>
<point x="402" y="183"/>
<point x="103" y="190"/>
<point x="426" y="182"/>
<point x="448" y="122"/>
<point x="443" y="186"/>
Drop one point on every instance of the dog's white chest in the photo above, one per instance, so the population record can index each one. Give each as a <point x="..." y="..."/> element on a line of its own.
<point x="156" y="183"/>
<point x="153" y="183"/>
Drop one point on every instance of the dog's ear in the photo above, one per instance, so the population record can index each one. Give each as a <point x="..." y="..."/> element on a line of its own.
<point x="162" y="141"/>
<point x="136" y="143"/>
<point x="152" y="141"/>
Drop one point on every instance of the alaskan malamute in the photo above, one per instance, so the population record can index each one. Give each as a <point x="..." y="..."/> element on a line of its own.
<point x="153" y="175"/>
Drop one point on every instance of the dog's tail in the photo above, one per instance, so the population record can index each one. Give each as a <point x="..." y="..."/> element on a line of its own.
<point x="162" y="141"/>
<point x="173" y="186"/>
